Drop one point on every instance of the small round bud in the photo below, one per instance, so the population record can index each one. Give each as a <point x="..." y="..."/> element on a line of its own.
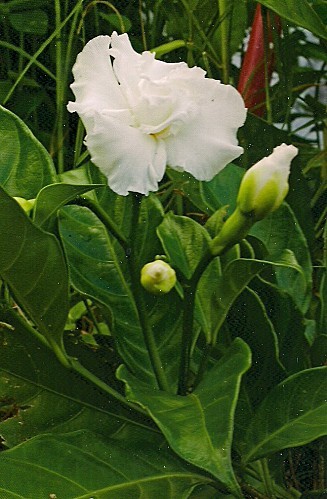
<point x="158" y="277"/>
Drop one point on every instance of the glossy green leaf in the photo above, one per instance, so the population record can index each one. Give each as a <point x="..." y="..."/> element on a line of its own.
<point x="184" y="241"/>
<point x="118" y="208"/>
<point x="281" y="230"/>
<point x="289" y="325"/>
<point x="210" y="196"/>
<point x="248" y="320"/>
<point x="218" y="289"/>
<point x="293" y="414"/>
<point x="299" y="12"/>
<point x="25" y="166"/>
<point x="54" y="196"/>
<point x="95" y="270"/>
<point x="81" y="465"/>
<point x="33" y="266"/>
<point x="41" y="396"/>
<point x="199" y="426"/>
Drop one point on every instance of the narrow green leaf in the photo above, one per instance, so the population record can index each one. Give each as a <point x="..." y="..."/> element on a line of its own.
<point x="185" y="242"/>
<point x="81" y="465"/>
<point x="30" y="21"/>
<point x="199" y="427"/>
<point x="293" y="414"/>
<point x="33" y="265"/>
<point x="25" y="166"/>
<point x="299" y="12"/>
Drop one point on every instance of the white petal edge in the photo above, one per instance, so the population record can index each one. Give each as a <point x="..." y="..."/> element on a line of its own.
<point x="132" y="161"/>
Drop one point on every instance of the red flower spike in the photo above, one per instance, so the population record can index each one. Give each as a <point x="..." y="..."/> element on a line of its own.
<point x="252" y="76"/>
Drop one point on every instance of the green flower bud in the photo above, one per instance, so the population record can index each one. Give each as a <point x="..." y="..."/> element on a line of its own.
<point x="265" y="185"/>
<point x="26" y="204"/>
<point x="158" y="277"/>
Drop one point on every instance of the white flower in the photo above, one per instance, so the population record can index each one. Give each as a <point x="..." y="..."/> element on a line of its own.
<point x="265" y="185"/>
<point x="142" y="114"/>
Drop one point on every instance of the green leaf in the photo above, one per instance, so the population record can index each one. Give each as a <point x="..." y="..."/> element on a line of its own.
<point x="199" y="427"/>
<point x="30" y="21"/>
<point x="33" y="265"/>
<point x="42" y="396"/>
<point x="54" y="196"/>
<point x="184" y="241"/>
<point x="96" y="270"/>
<point x="293" y="414"/>
<point x="281" y="230"/>
<point x="298" y="12"/>
<point x="290" y="330"/>
<point x="81" y="465"/>
<point x="25" y="166"/>
<point x="249" y="321"/>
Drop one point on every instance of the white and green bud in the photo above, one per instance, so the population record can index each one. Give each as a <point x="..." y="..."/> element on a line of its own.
<point x="158" y="277"/>
<point x="262" y="190"/>
<point x="26" y="204"/>
<point x="265" y="185"/>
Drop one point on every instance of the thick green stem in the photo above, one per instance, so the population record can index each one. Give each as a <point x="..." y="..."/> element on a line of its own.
<point x="188" y="320"/>
<point x="138" y="291"/>
<point x="224" y="9"/>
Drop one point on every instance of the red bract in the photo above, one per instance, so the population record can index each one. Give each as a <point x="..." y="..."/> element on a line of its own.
<point x="252" y="76"/>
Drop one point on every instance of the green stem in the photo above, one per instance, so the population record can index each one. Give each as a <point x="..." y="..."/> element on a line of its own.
<point x="138" y="291"/>
<point x="103" y="217"/>
<point x="59" y="90"/>
<point x="266" y="478"/>
<point x="78" y="368"/>
<point x="40" y="50"/>
<point x="188" y="319"/>
<point x="224" y="7"/>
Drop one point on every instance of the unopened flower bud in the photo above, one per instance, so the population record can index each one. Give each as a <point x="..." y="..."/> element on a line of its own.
<point x="26" y="204"/>
<point x="158" y="277"/>
<point x="265" y="185"/>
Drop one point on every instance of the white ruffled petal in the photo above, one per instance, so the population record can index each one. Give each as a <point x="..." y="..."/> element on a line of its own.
<point x="131" y="160"/>
<point x="207" y="143"/>
<point x="95" y="87"/>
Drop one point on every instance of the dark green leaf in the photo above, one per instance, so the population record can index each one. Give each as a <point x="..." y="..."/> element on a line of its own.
<point x="199" y="427"/>
<point x="54" y="196"/>
<point x="96" y="270"/>
<point x="298" y="12"/>
<point x="293" y="414"/>
<point x="281" y="230"/>
<point x="184" y="241"/>
<point x="25" y="166"/>
<point x="33" y="265"/>
<point x="30" y="21"/>
<point x="81" y="465"/>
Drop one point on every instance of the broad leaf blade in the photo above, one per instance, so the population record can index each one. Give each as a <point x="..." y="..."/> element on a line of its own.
<point x="185" y="242"/>
<point x="299" y="12"/>
<point x="25" y="166"/>
<point x="199" y="427"/>
<point x="281" y="230"/>
<point x="293" y="414"/>
<point x="96" y="270"/>
<point x="33" y="265"/>
<point x="54" y="196"/>
<point x="81" y="465"/>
